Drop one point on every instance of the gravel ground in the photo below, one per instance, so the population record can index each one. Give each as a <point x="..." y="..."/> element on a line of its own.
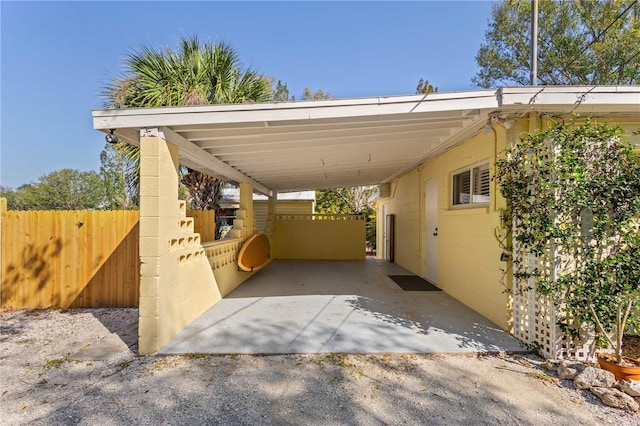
<point x="74" y="367"/>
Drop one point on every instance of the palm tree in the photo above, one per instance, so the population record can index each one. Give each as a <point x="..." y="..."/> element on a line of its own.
<point x="197" y="74"/>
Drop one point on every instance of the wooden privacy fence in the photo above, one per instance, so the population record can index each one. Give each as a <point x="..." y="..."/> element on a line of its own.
<point x="203" y="224"/>
<point x="72" y="258"/>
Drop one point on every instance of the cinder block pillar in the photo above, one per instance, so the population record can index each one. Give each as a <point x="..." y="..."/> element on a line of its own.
<point x="246" y="204"/>
<point x="272" y="206"/>
<point x="158" y="215"/>
<point x="273" y="203"/>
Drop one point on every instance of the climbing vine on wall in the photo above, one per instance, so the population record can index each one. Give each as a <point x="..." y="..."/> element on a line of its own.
<point x="573" y="195"/>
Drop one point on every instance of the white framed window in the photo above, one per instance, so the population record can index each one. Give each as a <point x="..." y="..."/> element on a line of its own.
<point x="471" y="185"/>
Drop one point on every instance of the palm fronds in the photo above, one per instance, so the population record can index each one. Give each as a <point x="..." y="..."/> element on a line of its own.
<point x="197" y="73"/>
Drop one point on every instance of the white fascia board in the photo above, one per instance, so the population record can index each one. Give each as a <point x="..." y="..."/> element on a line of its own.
<point x="340" y="108"/>
<point x="303" y="104"/>
<point x="593" y="99"/>
<point x="272" y="112"/>
<point x="569" y="89"/>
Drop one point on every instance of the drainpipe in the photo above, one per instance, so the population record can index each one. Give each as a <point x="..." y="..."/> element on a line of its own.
<point x="495" y="159"/>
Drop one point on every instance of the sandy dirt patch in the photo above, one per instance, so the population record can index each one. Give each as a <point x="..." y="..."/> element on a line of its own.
<point x="80" y="367"/>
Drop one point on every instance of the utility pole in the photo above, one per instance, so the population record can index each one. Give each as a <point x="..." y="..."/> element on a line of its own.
<point x="534" y="42"/>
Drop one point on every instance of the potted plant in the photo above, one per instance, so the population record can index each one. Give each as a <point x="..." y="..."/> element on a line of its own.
<point x="573" y="194"/>
<point x="608" y="287"/>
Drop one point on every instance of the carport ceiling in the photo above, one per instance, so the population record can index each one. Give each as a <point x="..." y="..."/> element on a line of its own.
<point x="294" y="146"/>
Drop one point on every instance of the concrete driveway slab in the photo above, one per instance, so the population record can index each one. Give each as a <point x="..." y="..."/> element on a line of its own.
<point x="337" y="306"/>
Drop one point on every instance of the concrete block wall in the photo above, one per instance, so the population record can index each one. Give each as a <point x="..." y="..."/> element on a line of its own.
<point x="469" y="266"/>
<point x="177" y="283"/>
<point x="264" y="211"/>
<point x="300" y="237"/>
<point x="405" y="205"/>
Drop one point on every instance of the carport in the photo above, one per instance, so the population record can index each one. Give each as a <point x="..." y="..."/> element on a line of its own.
<point x="407" y="142"/>
<point x="303" y="306"/>
<point x="265" y="148"/>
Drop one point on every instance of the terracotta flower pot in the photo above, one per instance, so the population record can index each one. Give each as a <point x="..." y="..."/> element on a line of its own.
<point x="622" y="372"/>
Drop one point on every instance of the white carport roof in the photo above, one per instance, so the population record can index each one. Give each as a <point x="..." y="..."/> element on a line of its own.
<point x="293" y="146"/>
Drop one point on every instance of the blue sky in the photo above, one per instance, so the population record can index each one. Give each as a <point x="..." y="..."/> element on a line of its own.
<point x="56" y="57"/>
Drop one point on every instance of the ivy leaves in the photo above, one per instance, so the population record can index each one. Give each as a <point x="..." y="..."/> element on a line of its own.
<point x="573" y="192"/>
<point x="570" y="183"/>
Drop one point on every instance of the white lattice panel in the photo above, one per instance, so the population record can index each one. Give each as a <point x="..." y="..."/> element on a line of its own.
<point x="535" y="317"/>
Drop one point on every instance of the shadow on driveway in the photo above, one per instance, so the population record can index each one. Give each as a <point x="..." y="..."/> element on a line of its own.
<point x="342" y="307"/>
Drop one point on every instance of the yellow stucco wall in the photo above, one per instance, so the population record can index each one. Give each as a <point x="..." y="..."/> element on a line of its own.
<point x="176" y="283"/>
<point x="405" y="205"/>
<point x="177" y="279"/>
<point x="222" y="256"/>
<point x="319" y="239"/>
<point x="261" y="209"/>
<point x="469" y="266"/>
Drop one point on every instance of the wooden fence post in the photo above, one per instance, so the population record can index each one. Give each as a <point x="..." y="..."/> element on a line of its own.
<point x="3" y="208"/>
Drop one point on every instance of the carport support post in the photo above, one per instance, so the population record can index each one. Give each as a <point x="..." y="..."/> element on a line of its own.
<point x="158" y="216"/>
<point x="246" y="208"/>
<point x="272" y="205"/>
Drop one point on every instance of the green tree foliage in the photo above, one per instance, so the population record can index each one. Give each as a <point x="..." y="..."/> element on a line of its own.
<point x="115" y="171"/>
<point x="310" y="95"/>
<point x="579" y="42"/>
<point x="353" y="200"/>
<point x="196" y="74"/>
<point x="64" y="189"/>
<point x="281" y="92"/>
<point x="333" y="201"/>
<point x="10" y="195"/>
<point x="425" y="87"/>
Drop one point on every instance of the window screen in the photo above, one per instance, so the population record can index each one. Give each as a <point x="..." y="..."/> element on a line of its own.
<point x="472" y="186"/>
<point x="481" y="181"/>
<point x="462" y="187"/>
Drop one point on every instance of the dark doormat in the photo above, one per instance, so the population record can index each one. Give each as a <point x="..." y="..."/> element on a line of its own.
<point x="413" y="283"/>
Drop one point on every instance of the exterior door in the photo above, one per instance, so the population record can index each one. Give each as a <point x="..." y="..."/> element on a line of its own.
<point x="390" y="238"/>
<point x="431" y="231"/>
<point x="385" y="231"/>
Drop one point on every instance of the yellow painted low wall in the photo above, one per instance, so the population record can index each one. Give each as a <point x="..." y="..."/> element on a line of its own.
<point x="319" y="237"/>
<point x="223" y="259"/>
<point x="285" y="207"/>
